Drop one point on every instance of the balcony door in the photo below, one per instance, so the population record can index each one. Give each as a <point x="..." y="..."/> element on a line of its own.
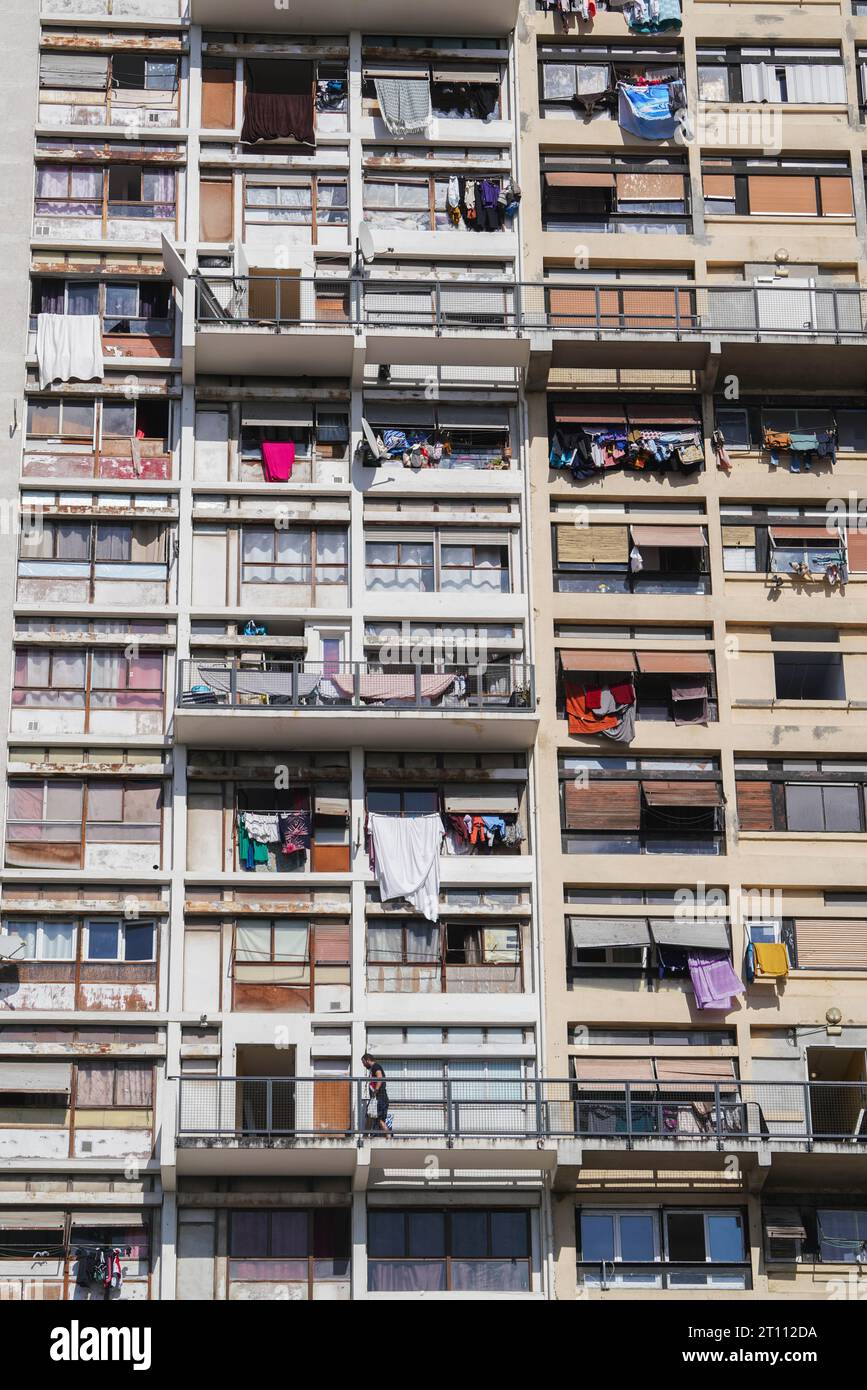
<point x="837" y="1111"/>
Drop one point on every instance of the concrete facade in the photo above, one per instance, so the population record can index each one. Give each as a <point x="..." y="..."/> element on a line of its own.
<point x="183" y="1013"/>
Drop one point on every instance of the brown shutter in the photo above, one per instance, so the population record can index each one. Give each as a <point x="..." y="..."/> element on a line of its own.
<point x="593" y="544"/>
<point x="755" y="805"/>
<point x="653" y="308"/>
<point x="739" y="536"/>
<point x="702" y="1069"/>
<point x="263" y="293"/>
<point x="682" y="793"/>
<point x="577" y="308"/>
<point x="675" y="663"/>
<point x="836" y="195"/>
<point x="675" y="537"/>
<point x="613" y="1069"/>
<point x="829" y="943"/>
<point x="856" y="544"/>
<point x="787" y="194"/>
<point x="331" y="943"/>
<point x="597" y="660"/>
<point x="719" y="185"/>
<point x="574" y="178"/>
<point x="650" y="187"/>
<point x="805" y="533"/>
<point x="215" y="210"/>
<point x="218" y="95"/>
<point x="603" y="806"/>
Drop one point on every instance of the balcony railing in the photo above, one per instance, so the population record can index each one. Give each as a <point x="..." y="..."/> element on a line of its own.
<point x="682" y="312"/>
<point x="626" y="1113"/>
<point x="353" y="685"/>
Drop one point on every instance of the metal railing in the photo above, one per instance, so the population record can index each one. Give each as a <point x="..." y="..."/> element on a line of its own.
<point x="624" y="1113"/>
<point x="354" y="685"/>
<point x="577" y="309"/>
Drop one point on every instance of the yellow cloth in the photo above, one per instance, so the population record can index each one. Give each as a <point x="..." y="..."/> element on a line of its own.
<point x="772" y="958"/>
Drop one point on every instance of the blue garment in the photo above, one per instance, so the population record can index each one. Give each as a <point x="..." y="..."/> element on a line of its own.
<point x="495" y="826"/>
<point x="750" y="964"/>
<point x="646" y="111"/>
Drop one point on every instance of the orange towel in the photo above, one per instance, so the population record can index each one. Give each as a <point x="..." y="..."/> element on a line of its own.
<point x="581" y="719"/>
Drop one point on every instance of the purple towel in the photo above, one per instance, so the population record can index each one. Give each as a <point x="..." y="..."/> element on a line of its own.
<point x="713" y="979"/>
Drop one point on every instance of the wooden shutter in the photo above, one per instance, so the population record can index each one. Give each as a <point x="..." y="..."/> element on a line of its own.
<point x="331" y="943"/>
<point x="593" y="544"/>
<point x="653" y="308"/>
<point x="575" y="178"/>
<point x="827" y="943"/>
<point x="650" y="187"/>
<point x="794" y="193"/>
<point x="682" y="793"/>
<point x="739" y="536"/>
<point x="215" y="210"/>
<point x="577" y="308"/>
<point x="836" y="195"/>
<point x="719" y="185"/>
<point x="218" y="95"/>
<point x="856" y="545"/>
<point x="603" y="806"/>
<point x="755" y="805"/>
<point x="675" y="663"/>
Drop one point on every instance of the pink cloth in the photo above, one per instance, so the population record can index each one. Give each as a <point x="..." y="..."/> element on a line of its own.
<point x="277" y="462"/>
<point x="393" y="687"/>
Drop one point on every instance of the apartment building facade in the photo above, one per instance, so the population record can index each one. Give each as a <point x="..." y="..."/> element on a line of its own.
<point x="400" y="448"/>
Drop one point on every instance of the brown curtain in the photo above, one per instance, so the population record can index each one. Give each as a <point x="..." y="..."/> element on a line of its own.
<point x="218" y="95"/>
<point x="278" y="102"/>
<point x="215" y="210"/>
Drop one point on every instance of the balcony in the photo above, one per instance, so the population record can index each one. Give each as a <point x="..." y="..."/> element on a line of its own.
<point x="226" y="704"/>
<point x="282" y="1124"/>
<point x="758" y="332"/>
<point x="371" y="16"/>
<point x="285" y="325"/>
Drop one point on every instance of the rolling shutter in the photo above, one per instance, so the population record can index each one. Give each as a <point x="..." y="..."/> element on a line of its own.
<point x="650" y="187"/>
<point x="706" y="935"/>
<point x="682" y="793"/>
<point x="675" y="663"/>
<point x="782" y="193"/>
<point x="481" y="802"/>
<point x="719" y="185"/>
<point x="828" y="943"/>
<point x="591" y="933"/>
<point x="739" y="536"/>
<point x="35" y="1076"/>
<point x="755" y="805"/>
<point x="575" y="178"/>
<point x="574" y="308"/>
<point x="836" y="195"/>
<point x="80" y="72"/>
<point x="613" y="1069"/>
<point x="603" y="806"/>
<point x="856" y="550"/>
<point x="597" y="661"/>
<point x="672" y="537"/>
<point x="700" y="1069"/>
<point x="593" y="544"/>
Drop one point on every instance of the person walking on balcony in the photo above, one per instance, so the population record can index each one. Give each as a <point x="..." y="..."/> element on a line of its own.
<point x="377" y="1105"/>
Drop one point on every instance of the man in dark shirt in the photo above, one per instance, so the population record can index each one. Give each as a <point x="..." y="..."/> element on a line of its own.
<point x="378" y="1093"/>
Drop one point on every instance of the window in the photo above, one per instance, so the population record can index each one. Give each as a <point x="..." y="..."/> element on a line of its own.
<point x="616" y="194"/>
<point x="661" y="1249"/>
<point x="766" y="187"/>
<point x="823" y="809"/>
<point x="128" y="190"/>
<point x="119" y="941"/>
<point x="131" y="72"/>
<point x="289" y="1247"/>
<point x="61" y="420"/>
<point x="116" y="1085"/>
<point x="773" y="75"/>
<point x="300" y="202"/>
<point x="809" y="676"/>
<point x="842" y="1235"/>
<point x="283" y="941"/>
<point x="611" y="806"/>
<point x="460" y="1250"/>
<point x="45" y="940"/>
<point x="446" y="563"/>
<point x="47" y="678"/>
<point x="295" y="556"/>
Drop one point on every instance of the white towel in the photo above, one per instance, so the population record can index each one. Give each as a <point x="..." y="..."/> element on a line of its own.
<point x="68" y="348"/>
<point x="407" y="854"/>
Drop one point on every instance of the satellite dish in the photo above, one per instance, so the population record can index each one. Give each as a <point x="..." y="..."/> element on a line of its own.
<point x="10" y="945"/>
<point x="366" y="244"/>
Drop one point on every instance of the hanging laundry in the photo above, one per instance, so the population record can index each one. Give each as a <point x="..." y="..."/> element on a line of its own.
<point x="404" y="103"/>
<point x="713" y="980"/>
<point x="69" y="348"/>
<point x="646" y="111"/>
<point x="718" y="444"/>
<point x="406" y="852"/>
<point x="652" y="16"/>
<point x="278" y="101"/>
<point x="771" y="959"/>
<point x="250" y="851"/>
<point x="294" y="831"/>
<point x="689" y="703"/>
<point x="277" y="461"/>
